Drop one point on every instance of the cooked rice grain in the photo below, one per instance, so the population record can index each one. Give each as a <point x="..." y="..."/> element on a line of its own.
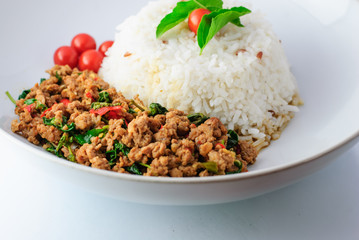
<point x="257" y="96"/>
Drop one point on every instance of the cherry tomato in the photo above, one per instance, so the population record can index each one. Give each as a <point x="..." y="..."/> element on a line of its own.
<point x="105" y="46"/>
<point x="66" y="55"/>
<point x="90" y="60"/>
<point x="195" y="18"/>
<point x="82" y="42"/>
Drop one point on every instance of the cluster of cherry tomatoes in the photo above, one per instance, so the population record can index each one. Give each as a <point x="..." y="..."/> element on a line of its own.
<point x="82" y="53"/>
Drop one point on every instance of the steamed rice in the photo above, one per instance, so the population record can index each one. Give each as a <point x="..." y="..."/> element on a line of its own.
<point x="255" y="95"/>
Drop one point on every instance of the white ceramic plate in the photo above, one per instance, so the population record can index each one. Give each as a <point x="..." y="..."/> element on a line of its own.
<point x="324" y="58"/>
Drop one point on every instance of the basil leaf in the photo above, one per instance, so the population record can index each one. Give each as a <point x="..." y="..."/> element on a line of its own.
<point x="59" y="125"/>
<point x="24" y="94"/>
<point x="232" y="139"/>
<point x="52" y="150"/>
<point x="182" y="11"/>
<point x="59" y="78"/>
<point x="122" y="148"/>
<point x="133" y="169"/>
<point x="237" y="22"/>
<point x="130" y="110"/>
<point x="86" y="138"/>
<point x="215" y="21"/>
<point x="211" y="5"/>
<point x="156" y="108"/>
<point x="111" y="156"/>
<point x="178" y="15"/>
<point x="70" y="127"/>
<point x="42" y="80"/>
<point x="238" y="164"/>
<point x="104" y="97"/>
<point x="118" y="147"/>
<point x="197" y="118"/>
<point x="30" y="101"/>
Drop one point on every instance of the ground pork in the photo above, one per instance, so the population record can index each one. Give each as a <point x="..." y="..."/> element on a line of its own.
<point x="59" y="114"/>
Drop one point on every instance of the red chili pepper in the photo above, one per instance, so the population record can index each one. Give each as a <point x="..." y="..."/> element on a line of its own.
<point x="221" y="145"/>
<point x="102" y="111"/>
<point x="29" y="107"/>
<point x="113" y="115"/>
<point x="65" y="101"/>
<point x="47" y="110"/>
<point x="89" y="95"/>
<point x="193" y="125"/>
<point x="161" y="127"/>
<point x="199" y="142"/>
<point x="126" y="123"/>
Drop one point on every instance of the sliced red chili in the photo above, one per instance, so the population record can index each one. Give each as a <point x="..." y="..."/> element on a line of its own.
<point x="89" y="95"/>
<point x="29" y="107"/>
<point x="65" y="101"/>
<point x="113" y="115"/>
<point x="44" y="112"/>
<point x="102" y="111"/>
<point x="221" y="145"/>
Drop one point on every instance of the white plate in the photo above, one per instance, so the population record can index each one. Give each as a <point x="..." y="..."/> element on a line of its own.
<point x="324" y="59"/>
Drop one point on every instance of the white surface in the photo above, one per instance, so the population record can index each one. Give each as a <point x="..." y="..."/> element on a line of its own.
<point x="35" y="205"/>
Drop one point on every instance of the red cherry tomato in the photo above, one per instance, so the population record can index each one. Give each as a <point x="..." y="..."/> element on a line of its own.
<point x="90" y="60"/>
<point x="105" y="46"/>
<point x="195" y="18"/>
<point x="66" y="55"/>
<point x="82" y="42"/>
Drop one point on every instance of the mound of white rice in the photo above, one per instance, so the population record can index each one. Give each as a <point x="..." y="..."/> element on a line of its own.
<point x="242" y="77"/>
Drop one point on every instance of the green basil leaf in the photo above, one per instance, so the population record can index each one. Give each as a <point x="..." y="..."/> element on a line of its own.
<point x="133" y="169"/>
<point x="70" y="127"/>
<point x="59" y="125"/>
<point x="237" y="22"/>
<point x="156" y="108"/>
<point x="238" y="164"/>
<point x="211" y="5"/>
<point x="30" y="101"/>
<point x="42" y="80"/>
<point x="215" y="21"/>
<point x="59" y="78"/>
<point x="111" y="156"/>
<point x="119" y="147"/>
<point x="53" y="151"/>
<point x="178" y="15"/>
<point x="197" y="118"/>
<point x="232" y="139"/>
<point x="130" y="110"/>
<point x="86" y="138"/>
<point x="104" y="97"/>
<point x="24" y="94"/>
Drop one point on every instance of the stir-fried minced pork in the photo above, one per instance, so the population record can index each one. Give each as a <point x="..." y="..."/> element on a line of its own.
<point x="79" y="117"/>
